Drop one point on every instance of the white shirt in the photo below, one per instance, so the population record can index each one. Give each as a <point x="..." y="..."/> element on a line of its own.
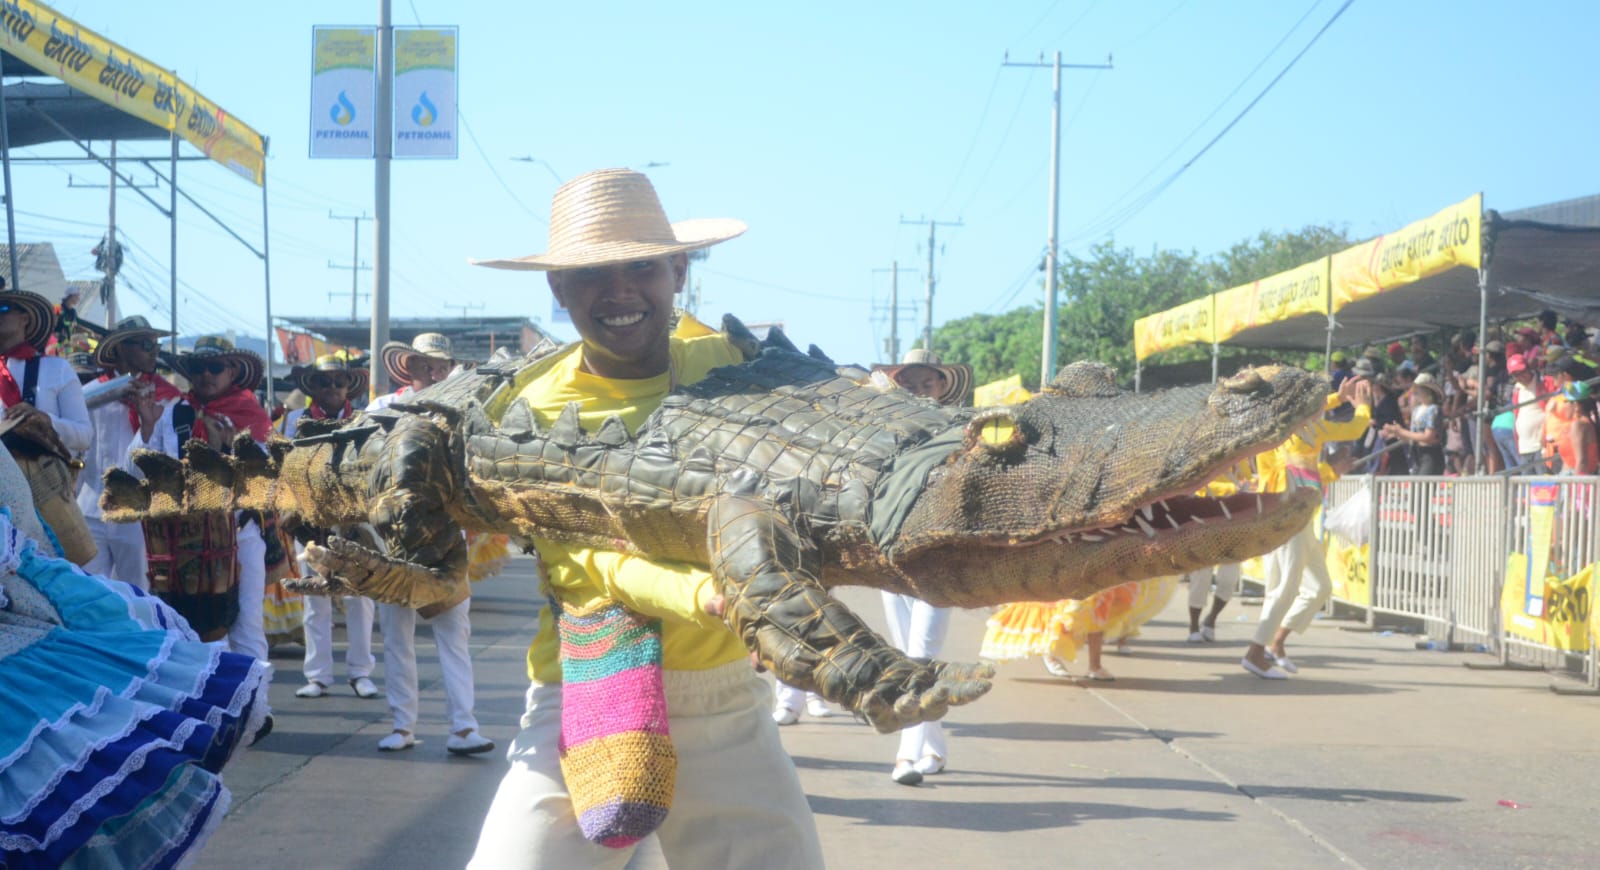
<point x="291" y="421"/>
<point x="59" y="394"/>
<point x="388" y="399"/>
<point x="113" y="433"/>
<point x="1530" y="421"/>
<point x="163" y="438"/>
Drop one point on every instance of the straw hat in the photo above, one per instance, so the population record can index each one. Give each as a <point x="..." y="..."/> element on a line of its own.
<point x="614" y="216"/>
<point x="215" y="347"/>
<point x="333" y="365"/>
<point x="126" y="328"/>
<point x="1426" y="381"/>
<point x="396" y="353"/>
<point x="41" y="314"/>
<point x="1364" y="368"/>
<point x="957" y="378"/>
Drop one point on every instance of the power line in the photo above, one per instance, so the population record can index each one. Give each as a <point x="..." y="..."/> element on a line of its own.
<point x="1140" y="204"/>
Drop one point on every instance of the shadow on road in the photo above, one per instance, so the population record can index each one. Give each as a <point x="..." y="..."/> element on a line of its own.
<point x="1348" y="795"/>
<point x="1062" y="731"/>
<point x="995" y="817"/>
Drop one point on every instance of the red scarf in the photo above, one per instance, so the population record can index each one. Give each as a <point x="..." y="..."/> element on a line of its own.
<point x="164" y="391"/>
<point x="10" y="392"/>
<point x="315" y="412"/>
<point x="239" y="406"/>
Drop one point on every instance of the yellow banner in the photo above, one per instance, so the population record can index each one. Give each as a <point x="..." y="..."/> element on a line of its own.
<point x="1451" y="238"/>
<point x="1007" y="391"/>
<point x="1189" y="323"/>
<point x="56" y="45"/>
<point x="1347" y="568"/>
<point x="1568" y="609"/>
<point x="1299" y="291"/>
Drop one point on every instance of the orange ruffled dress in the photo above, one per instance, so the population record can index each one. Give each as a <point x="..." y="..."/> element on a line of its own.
<point x="1025" y="629"/>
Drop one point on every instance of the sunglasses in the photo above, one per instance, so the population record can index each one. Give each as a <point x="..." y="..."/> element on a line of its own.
<point x="145" y="344"/>
<point x="214" y="367"/>
<point x="322" y="382"/>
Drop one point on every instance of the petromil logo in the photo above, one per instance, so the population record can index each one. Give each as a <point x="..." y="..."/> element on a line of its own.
<point x="343" y="112"/>
<point x="424" y="112"/>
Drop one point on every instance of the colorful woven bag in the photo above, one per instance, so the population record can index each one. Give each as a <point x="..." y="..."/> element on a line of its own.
<point x="616" y="754"/>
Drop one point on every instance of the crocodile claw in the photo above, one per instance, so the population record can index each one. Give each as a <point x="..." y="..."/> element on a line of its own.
<point x="359" y="570"/>
<point x="925" y="696"/>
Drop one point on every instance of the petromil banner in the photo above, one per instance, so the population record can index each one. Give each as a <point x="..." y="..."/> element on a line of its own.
<point x="425" y="92"/>
<point x="57" y="46"/>
<point x="343" y="71"/>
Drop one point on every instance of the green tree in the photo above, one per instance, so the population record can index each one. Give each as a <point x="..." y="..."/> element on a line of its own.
<point x="1104" y="292"/>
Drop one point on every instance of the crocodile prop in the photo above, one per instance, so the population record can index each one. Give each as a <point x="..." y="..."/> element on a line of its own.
<point x="785" y="476"/>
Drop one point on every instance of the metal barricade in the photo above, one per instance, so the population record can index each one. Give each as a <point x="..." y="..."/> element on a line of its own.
<point x="1335" y="495"/>
<point x="1573" y="546"/>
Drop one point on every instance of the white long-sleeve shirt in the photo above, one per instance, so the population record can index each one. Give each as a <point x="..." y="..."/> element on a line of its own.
<point x="59" y="394"/>
<point x="113" y="434"/>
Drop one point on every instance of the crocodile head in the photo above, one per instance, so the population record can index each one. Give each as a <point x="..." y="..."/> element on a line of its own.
<point x="1087" y="485"/>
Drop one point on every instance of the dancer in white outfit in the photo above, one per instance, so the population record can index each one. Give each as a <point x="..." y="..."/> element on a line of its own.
<point x="419" y="365"/>
<point x="330" y="382"/>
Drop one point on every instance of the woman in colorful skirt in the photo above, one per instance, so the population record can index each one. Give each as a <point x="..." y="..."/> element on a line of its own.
<point x="1057" y="630"/>
<point x="116" y="719"/>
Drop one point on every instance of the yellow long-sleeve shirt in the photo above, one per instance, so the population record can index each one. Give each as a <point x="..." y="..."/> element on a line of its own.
<point x="1273" y="467"/>
<point x="691" y="639"/>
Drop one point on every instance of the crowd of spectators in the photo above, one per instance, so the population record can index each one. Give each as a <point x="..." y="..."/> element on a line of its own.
<point x="1539" y="417"/>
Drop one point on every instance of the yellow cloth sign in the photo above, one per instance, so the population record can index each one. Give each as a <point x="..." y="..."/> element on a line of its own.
<point x="1348" y="569"/>
<point x="1444" y="241"/>
<point x="1568" y="610"/>
<point x="57" y="45"/>
<point x="1189" y="323"/>
<point x="1006" y="391"/>
<point x="1296" y="292"/>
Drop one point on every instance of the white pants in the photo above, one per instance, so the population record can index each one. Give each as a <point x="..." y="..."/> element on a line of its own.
<point x="451" y="631"/>
<point x="1297" y="585"/>
<point x="737" y="801"/>
<point x="358" y="660"/>
<point x="121" y="553"/>
<point x="248" y="635"/>
<point x="791" y="698"/>
<point x="1227" y="582"/>
<point x="917" y="629"/>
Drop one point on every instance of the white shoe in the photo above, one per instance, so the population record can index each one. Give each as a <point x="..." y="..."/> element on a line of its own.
<point x="1197" y="637"/>
<point x="785" y="715"/>
<point x="1285" y="662"/>
<point x="396" y="741"/>
<point x="817" y="708"/>
<point x="1101" y="675"/>
<point x="1271" y="672"/>
<point x="929" y="765"/>
<point x="363" y="687"/>
<point x="471" y="744"/>
<point x="1056" y="666"/>
<point x="312" y="689"/>
<point x="1208" y="633"/>
<point x="905" y="773"/>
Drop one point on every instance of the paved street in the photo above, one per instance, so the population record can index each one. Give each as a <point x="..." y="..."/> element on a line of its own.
<point x="1377" y="755"/>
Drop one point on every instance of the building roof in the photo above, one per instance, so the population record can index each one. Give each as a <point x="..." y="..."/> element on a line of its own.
<point x="473" y="338"/>
<point x="1582" y="211"/>
<point x="38" y="270"/>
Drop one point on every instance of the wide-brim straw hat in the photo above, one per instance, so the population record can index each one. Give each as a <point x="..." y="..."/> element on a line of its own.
<point x="957" y="378"/>
<point x="128" y="327"/>
<point x="329" y="364"/>
<point x="41" y="315"/>
<point x="215" y="347"/>
<point x="614" y="216"/>
<point x="395" y="353"/>
<point x="1426" y="381"/>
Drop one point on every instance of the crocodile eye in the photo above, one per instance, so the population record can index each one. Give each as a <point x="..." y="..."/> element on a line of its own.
<point x="994" y="430"/>
<point x="1245" y="382"/>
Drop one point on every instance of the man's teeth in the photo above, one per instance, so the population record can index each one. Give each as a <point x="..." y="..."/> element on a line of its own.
<point x="622" y="319"/>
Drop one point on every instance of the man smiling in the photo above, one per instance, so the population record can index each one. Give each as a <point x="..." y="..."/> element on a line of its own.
<point x="614" y="262"/>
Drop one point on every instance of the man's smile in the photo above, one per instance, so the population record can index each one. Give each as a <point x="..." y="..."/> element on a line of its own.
<point x="616" y="321"/>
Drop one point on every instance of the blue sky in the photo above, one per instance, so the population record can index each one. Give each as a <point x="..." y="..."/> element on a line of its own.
<point x="824" y="125"/>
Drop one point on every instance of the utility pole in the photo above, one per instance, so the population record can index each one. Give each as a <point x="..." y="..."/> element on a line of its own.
<point x="927" y="312"/>
<point x="476" y="306"/>
<point x="383" y="131"/>
<point x="1047" y="366"/>
<point x="355" y="266"/>
<point x="892" y="348"/>
<point x="108" y="254"/>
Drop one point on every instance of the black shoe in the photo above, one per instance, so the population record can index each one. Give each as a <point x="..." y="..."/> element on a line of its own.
<point x="264" y="730"/>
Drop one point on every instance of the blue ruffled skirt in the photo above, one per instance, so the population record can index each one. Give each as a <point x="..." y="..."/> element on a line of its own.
<point x="115" y="720"/>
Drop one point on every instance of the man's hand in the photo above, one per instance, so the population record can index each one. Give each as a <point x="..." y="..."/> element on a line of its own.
<point x="20" y="410"/>
<point x="220" y="432"/>
<point x="149" y="411"/>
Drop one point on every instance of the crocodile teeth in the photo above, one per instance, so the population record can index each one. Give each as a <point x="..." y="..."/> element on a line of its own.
<point x="1259" y="506"/>
<point x="1225" y="512"/>
<point x="1173" y="521"/>
<point x="1164" y="505"/>
<point x="1148" y="511"/>
<point x="1234" y="479"/>
<point x="1198" y="520"/>
<point x="1091" y="537"/>
<point x="1149" y="530"/>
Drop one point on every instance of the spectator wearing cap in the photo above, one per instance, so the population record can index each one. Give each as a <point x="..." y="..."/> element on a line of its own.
<point x="1496" y="385"/>
<point x="1341" y="368"/>
<point x="1397" y="354"/>
<point x="330" y="382"/>
<point x="1421" y="360"/>
<point x="1425" y="432"/>
<point x="1548" y="321"/>
<point x="1529" y="411"/>
<point x="1569" y="432"/>
<point x="129" y="349"/>
<point x="1386" y="396"/>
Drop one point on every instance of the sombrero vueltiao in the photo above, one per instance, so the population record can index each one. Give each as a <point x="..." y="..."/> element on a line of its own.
<point x="41" y="315"/>
<point x="395" y="354"/>
<point x="614" y="216"/>
<point x="215" y="347"/>
<point x="126" y="328"/>
<point x="957" y="378"/>
<point x="330" y="364"/>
